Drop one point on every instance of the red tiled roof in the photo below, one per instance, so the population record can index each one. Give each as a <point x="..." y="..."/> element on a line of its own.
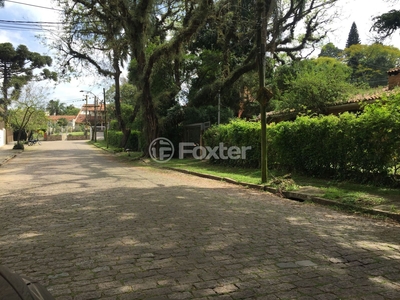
<point x="353" y="103"/>
<point x="394" y="71"/>
<point x="56" y="118"/>
<point x="80" y="119"/>
<point x="91" y="107"/>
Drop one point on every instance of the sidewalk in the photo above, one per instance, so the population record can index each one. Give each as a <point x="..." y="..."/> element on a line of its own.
<point x="7" y="153"/>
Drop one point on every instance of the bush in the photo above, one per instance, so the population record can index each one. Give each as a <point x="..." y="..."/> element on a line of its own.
<point x="115" y="138"/>
<point x="363" y="148"/>
<point x="236" y="133"/>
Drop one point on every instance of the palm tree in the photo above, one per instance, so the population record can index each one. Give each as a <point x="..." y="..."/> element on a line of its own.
<point x="56" y="108"/>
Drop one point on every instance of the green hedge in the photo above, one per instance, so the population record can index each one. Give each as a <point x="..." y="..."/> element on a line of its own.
<point x="115" y="138"/>
<point x="363" y="148"/>
<point x="237" y="133"/>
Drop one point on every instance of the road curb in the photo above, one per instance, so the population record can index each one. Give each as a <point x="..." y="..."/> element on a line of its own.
<point x="295" y="195"/>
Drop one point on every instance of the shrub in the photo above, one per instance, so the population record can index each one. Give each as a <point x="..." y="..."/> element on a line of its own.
<point x="364" y="148"/>
<point x="236" y="133"/>
<point x="115" y="138"/>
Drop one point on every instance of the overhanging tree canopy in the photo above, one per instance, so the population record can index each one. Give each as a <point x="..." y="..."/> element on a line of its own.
<point x="386" y="24"/>
<point x="143" y="27"/>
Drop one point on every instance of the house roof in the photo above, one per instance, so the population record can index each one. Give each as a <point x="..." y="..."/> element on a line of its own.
<point x="91" y="107"/>
<point x="80" y="119"/>
<point x="58" y="117"/>
<point x="394" y="71"/>
<point x="336" y="108"/>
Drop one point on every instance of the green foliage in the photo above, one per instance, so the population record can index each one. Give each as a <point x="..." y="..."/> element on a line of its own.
<point x="371" y="62"/>
<point x="62" y="122"/>
<point x="330" y="50"/>
<point x="236" y="133"/>
<point x="71" y="110"/>
<point x="363" y="148"/>
<point x="115" y="138"/>
<point x="311" y="84"/>
<point x="55" y="107"/>
<point x="128" y="100"/>
<point x="353" y="38"/>
<point x="206" y="114"/>
<point x="17" y="67"/>
<point x="386" y="24"/>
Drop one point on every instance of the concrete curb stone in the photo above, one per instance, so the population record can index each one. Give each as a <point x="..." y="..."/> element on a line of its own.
<point x="298" y="196"/>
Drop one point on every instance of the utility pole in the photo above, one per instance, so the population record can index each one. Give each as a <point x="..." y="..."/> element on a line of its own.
<point x="105" y="117"/>
<point x="219" y="108"/>
<point x="86" y="120"/>
<point x="95" y="120"/>
<point x="261" y="92"/>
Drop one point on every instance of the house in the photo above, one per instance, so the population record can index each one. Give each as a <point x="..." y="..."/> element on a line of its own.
<point x="394" y="78"/>
<point x="91" y="114"/>
<point x="70" y="119"/>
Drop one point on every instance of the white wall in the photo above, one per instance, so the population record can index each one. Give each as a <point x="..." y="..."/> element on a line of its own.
<point x="3" y="135"/>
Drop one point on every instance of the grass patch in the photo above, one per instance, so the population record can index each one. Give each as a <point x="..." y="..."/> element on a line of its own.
<point x="76" y="133"/>
<point x="351" y="197"/>
<point x="239" y="174"/>
<point x="242" y="175"/>
<point x="343" y="192"/>
<point x="116" y="150"/>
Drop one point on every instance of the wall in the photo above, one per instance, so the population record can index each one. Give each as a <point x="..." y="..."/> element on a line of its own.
<point x="3" y="134"/>
<point x="394" y="79"/>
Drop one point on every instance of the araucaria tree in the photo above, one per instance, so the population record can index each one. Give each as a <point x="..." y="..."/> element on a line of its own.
<point x="353" y="38"/>
<point x="17" y="68"/>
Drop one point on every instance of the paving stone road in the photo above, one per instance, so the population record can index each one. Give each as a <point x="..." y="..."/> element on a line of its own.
<point x="88" y="226"/>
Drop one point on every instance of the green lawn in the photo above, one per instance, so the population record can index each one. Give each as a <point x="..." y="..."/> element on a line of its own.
<point x="77" y="133"/>
<point x="342" y="192"/>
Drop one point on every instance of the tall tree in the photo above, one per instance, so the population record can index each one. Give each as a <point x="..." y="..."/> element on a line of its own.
<point x="28" y="112"/>
<point x="142" y="28"/>
<point x="93" y="38"/>
<point x="55" y="107"/>
<point x="330" y="50"/>
<point x="17" y="68"/>
<point x="371" y="62"/>
<point x="71" y="110"/>
<point x="254" y="28"/>
<point x="353" y="38"/>
<point x="312" y="84"/>
<point x="293" y="26"/>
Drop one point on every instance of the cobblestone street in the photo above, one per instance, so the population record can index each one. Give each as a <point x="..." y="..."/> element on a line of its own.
<point x="88" y="226"/>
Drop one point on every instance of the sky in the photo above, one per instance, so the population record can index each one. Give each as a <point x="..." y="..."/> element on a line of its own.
<point x="44" y="11"/>
<point x="358" y="11"/>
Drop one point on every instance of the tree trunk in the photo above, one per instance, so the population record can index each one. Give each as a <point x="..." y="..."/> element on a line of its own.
<point x="122" y="125"/>
<point x="149" y="116"/>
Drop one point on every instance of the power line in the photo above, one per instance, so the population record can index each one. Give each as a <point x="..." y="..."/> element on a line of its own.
<point x="27" y="26"/>
<point x="29" y="22"/>
<point x="38" y="6"/>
